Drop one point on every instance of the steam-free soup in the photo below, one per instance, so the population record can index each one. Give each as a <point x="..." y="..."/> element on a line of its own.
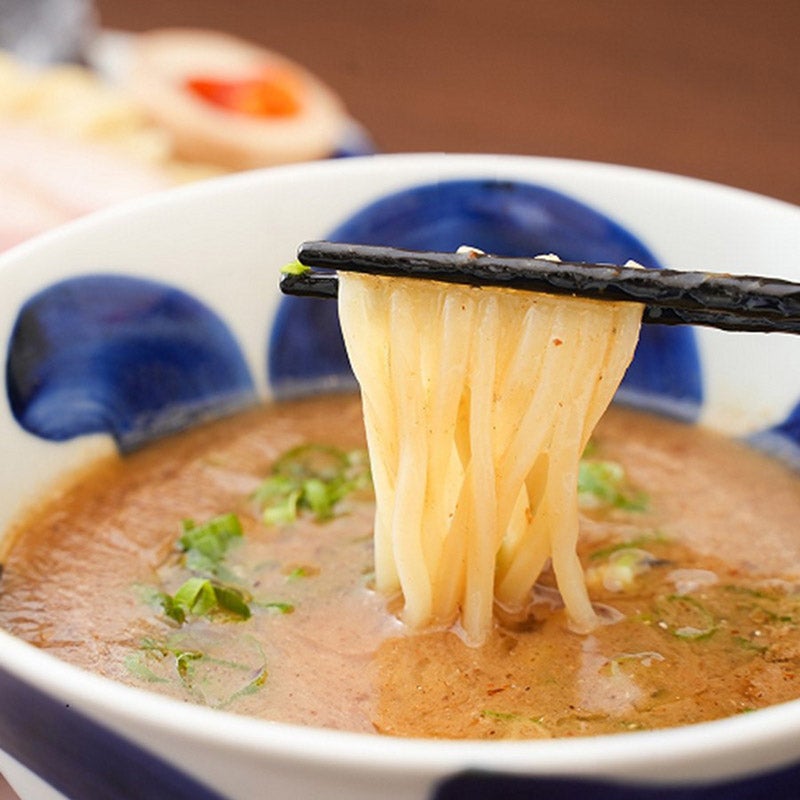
<point x="233" y="566"/>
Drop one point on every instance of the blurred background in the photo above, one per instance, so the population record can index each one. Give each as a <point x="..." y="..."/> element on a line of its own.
<point x="707" y="88"/>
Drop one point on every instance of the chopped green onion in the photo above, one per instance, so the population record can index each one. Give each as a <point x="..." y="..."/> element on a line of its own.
<point x="621" y="569"/>
<point x="134" y="663"/>
<point x="313" y="478"/>
<point x="171" y="608"/>
<point x="208" y="678"/>
<point x="251" y="688"/>
<point x="202" y="597"/>
<point x="196" y="596"/>
<point x="638" y="542"/>
<point x="279" y="497"/>
<point x="603" y="483"/>
<point x="206" y="544"/>
<point x="232" y="600"/>
<point x="514" y="721"/>
<point x="646" y="658"/>
<point x="749" y="644"/>
<point x="301" y="572"/>
<point x="686" y="618"/>
<point x="775" y="607"/>
<point x="184" y="659"/>
<point x="185" y="663"/>
<point x="748" y="591"/>
<point x="503" y="715"/>
<point x="295" y="268"/>
<point x="280" y="606"/>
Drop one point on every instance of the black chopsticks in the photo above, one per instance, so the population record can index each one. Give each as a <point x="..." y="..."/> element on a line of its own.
<point x="670" y="297"/>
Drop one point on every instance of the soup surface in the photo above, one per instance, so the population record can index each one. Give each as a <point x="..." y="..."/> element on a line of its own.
<point x="688" y="540"/>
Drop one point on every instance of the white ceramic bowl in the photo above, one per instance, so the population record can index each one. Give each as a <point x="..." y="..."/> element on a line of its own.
<point x="222" y="243"/>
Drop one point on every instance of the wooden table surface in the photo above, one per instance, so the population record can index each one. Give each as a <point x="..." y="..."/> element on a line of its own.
<point x="709" y="88"/>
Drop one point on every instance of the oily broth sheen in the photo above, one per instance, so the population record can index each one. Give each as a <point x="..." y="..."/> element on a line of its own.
<point x="720" y="523"/>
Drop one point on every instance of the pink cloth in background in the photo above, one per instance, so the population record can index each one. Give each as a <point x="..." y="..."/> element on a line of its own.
<point x="6" y="793"/>
<point x="46" y="180"/>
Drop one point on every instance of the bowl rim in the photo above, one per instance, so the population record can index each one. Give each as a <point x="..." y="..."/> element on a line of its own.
<point x="478" y="162"/>
<point x="638" y="750"/>
<point x="382" y="754"/>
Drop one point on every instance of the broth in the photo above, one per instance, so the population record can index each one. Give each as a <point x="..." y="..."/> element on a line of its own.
<point x="697" y="588"/>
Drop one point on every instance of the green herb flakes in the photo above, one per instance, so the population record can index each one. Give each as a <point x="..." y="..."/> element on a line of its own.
<point x="604" y="484"/>
<point x="206" y="672"/>
<point x="621" y="569"/>
<point x="135" y="664"/>
<point x="295" y="268"/>
<point x="642" y="542"/>
<point x="206" y="544"/>
<point x="514" y="725"/>
<point x="202" y="597"/>
<point x="278" y="606"/>
<point x="313" y="478"/>
<point x="686" y="618"/>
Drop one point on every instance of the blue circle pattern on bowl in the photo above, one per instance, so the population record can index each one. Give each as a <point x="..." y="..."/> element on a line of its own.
<point x="120" y="355"/>
<point x="503" y="218"/>
<point x="136" y="358"/>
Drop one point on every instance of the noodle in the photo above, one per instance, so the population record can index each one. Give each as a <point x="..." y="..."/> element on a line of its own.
<point x="478" y="404"/>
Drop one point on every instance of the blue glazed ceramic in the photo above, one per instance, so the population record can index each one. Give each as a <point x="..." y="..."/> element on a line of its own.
<point x="509" y="218"/>
<point x="142" y="320"/>
<point x="79" y="758"/>
<point x="120" y="355"/>
<point x="138" y="359"/>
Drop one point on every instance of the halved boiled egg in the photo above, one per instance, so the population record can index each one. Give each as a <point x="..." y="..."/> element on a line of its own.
<point x="233" y="103"/>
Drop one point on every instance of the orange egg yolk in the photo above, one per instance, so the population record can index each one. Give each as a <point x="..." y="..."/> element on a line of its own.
<point x="274" y="92"/>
